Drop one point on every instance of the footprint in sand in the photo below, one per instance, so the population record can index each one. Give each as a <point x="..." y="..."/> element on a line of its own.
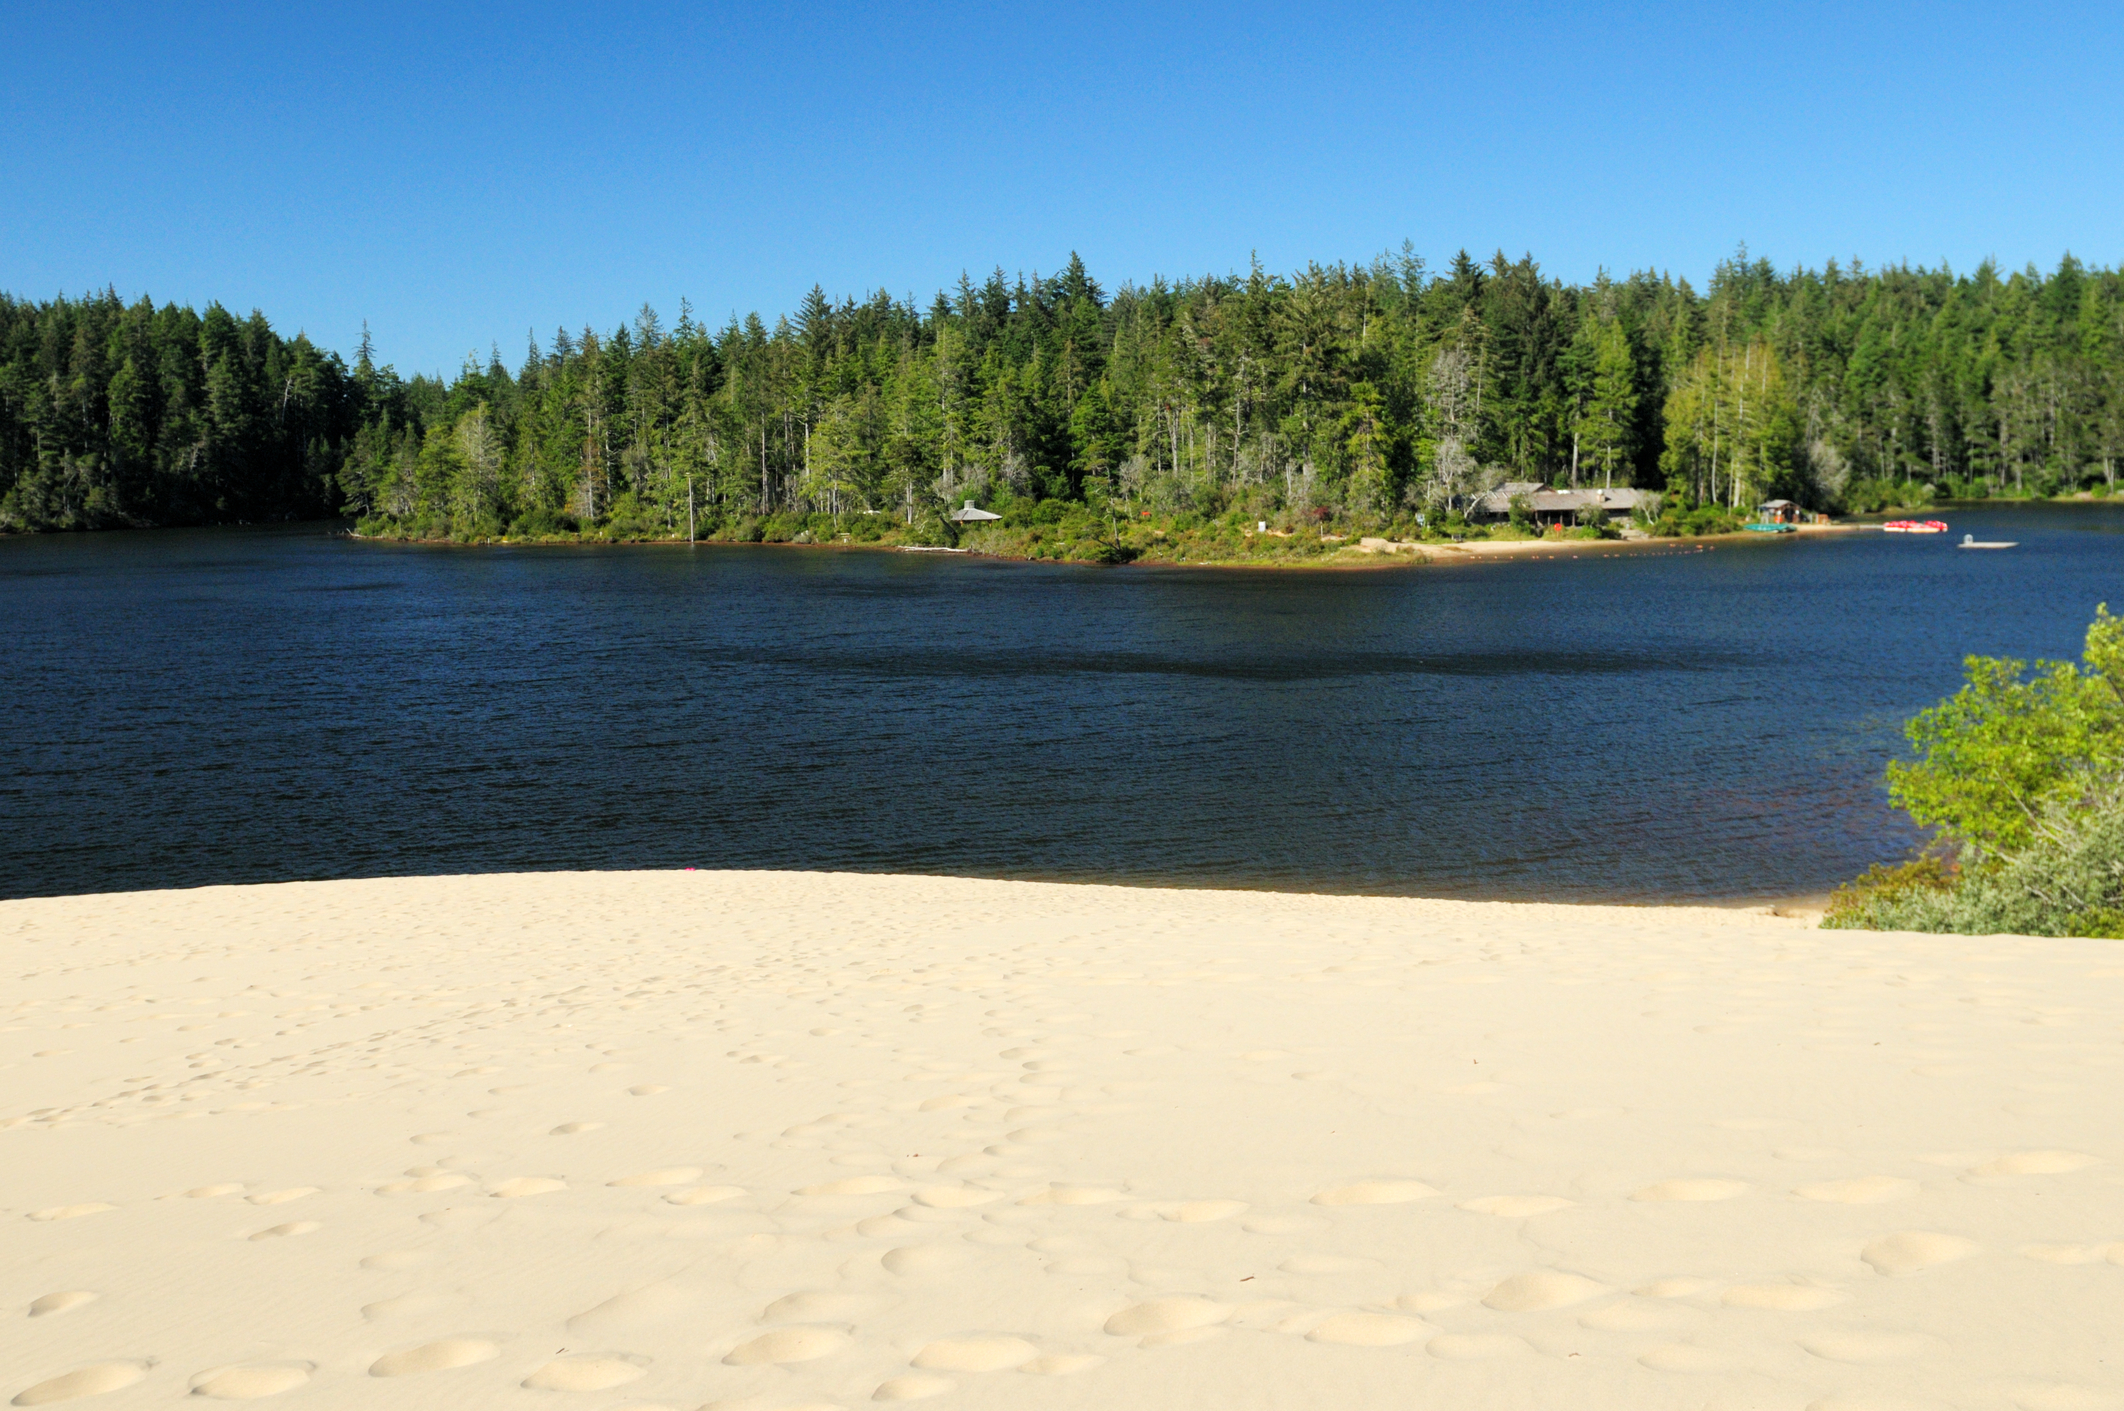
<point x="282" y="1197"/>
<point x="1074" y="1195"/>
<point x="441" y="1356"/>
<point x="60" y="1302"/>
<point x="296" y="1227"/>
<point x="704" y="1195"/>
<point x="924" y="1260"/>
<point x="70" y="1212"/>
<point x="519" y="1187"/>
<point x="1691" y="1189"/>
<point x="1915" y="1250"/>
<point x="1062" y="1364"/>
<point x="454" y="1217"/>
<point x="651" y="1307"/>
<point x="786" y="1345"/>
<point x="419" y="1302"/>
<point x="398" y="1259"/>
<point x="855" y="1185"/>
<point x="1165" y="1320"/>
<point x="666" y="1176"/>
<point x="954" y="1197"/>
<point x="209" y="1192"/>
<point x="585" y="1374"/>
<point x="915" y="1386"/>
<point x="1541" y="1289"/>
<point x="820" y="1306"/>
<point x="570" y="1129"/>
<point x="82" y="1381"/>
<point x="248" y="1383"/>
<point x="1037" y="1136"/>
<point x="979" y="1353"/>
<point x="424" y="1185"/>
<point x="1368" y="1330"/>
<point x="1673" y="1288"/>
<point x="1188" y="1212"/>
<point x="1863" y="1190"/>
<point x="1375" y="1193"/>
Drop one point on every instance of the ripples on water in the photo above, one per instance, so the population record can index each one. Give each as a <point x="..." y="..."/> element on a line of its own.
<point x="189" y="707"/>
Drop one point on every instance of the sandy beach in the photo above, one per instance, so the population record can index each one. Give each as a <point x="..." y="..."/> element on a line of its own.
<point x="765" y="1141"/>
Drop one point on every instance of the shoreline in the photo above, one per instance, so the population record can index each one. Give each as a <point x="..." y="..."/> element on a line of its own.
<point x="1397" y="554"/>
<point x="1788" y="905"/>
<point x="749" y="1141"/>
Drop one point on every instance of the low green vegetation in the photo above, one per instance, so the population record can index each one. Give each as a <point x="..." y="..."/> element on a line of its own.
<point x="1059" y="530"/>
<point x="2021" y="775"/>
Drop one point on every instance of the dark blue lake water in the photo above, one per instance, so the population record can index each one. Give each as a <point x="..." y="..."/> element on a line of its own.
<point x="189" y="707"/>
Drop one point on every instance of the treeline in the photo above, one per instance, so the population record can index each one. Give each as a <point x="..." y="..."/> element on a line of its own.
<point x="115" y="414"/>
<point x="1358" y="394"/>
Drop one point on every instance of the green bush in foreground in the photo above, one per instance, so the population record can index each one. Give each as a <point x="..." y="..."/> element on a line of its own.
<point x="2023" y="779"/>
<point x="2069" y="881"/>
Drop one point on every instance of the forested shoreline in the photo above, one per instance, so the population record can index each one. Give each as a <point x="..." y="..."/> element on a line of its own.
<point x="1347" y="398"/>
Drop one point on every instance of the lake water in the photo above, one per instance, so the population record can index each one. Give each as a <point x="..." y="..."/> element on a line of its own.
<point x="1666" y="724"/>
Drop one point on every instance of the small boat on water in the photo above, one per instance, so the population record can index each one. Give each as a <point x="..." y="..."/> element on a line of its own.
<point x="1970" y="541"/>
<point x="1915" y="526"/>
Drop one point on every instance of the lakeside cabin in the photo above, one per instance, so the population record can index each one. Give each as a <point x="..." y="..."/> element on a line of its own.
<point x="1554" y="507"/>
<point x="969" y="515"/>
<point x="1777" y="512"/>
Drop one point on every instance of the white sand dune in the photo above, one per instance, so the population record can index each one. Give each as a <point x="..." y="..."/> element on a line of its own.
<point x="757" y="1141"/>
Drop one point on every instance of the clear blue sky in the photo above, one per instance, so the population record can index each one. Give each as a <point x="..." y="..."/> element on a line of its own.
<point x="458" y="175"/>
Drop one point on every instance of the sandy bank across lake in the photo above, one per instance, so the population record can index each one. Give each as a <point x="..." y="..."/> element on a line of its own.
<point x="770" y="1140"/>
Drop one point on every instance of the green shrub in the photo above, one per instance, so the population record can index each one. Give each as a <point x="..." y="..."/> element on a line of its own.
<point x="542" y="523"/>
<point x="1995" y="753"/>
<point x="479" y="529"/>
<point x="2068" y="880"/>
<point x="932" y="530"/>
<point x="1889" y="892"/>
<point x="2023" y="781"/>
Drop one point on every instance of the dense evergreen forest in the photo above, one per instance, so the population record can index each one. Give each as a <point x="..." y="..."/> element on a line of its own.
<point x="1355" y="396"/>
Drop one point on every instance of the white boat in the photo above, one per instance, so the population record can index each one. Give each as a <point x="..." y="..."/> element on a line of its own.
<point x="1970" y="541"/>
